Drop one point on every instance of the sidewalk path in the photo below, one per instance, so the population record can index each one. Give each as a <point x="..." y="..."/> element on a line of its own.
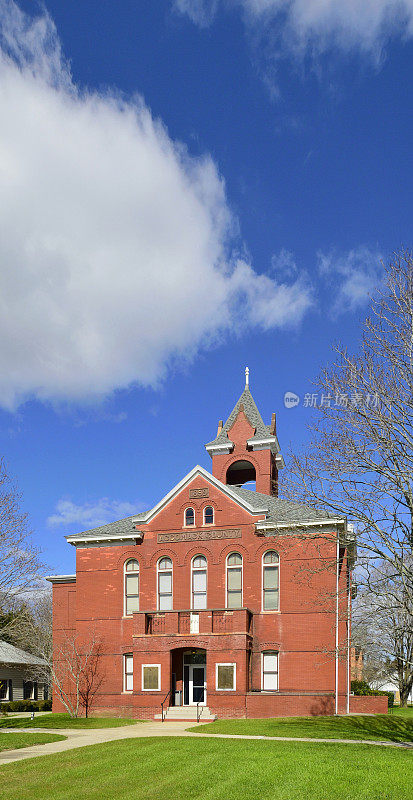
<point x="83" y="738"/>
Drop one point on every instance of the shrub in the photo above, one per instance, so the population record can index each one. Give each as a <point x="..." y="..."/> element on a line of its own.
<point x="27" y="705"/>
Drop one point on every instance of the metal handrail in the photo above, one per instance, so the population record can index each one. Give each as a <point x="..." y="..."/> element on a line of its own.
<point x="198" y="715"/>
<point x="164" y="701"/>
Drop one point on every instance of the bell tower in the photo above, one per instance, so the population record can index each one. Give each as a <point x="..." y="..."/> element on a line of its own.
<point x="245" y="449"/>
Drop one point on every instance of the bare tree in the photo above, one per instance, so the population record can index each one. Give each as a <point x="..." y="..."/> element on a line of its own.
<point x="31" y="629"/>
<point x="92" y="678"/>
<point x="382" y="627"/>
<point x="359" y="463"/>
<point x="71" y="664"/>
<point x="20" y="564"/>
<point x="76" y="672"/>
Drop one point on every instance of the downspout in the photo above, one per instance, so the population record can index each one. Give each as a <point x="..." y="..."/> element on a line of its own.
<point x="336" y="649"/>
<point x="348" y="638"/>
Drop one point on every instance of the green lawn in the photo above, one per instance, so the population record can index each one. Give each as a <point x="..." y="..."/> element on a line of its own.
<point x="210" y="769"/>
<point x="394" y="728"/>
<point x="14" y="741"/>
<point x="405" y="712"/>
<point x="64" y="721"/>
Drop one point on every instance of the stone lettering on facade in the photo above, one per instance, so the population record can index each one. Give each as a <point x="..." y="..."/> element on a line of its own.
<point x="195" y="536"/>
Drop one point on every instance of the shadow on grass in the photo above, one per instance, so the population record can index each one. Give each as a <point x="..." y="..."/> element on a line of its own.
<point x="380" y="727"/>
<point x="391" y="728"/>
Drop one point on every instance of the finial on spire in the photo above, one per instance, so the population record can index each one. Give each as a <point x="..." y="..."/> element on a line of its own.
<point x="247" y="376"/>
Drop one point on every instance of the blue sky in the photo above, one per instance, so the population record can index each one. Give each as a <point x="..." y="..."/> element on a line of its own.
<point x="186" y="188"/>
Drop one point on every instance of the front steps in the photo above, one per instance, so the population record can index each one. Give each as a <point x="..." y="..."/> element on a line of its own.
<point x="173" y="713"/>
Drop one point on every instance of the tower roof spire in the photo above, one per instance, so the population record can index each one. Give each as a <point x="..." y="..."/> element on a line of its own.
<point x="264" y="434"/>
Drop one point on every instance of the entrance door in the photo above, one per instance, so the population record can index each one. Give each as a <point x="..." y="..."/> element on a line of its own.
<point x="196" y="685"/>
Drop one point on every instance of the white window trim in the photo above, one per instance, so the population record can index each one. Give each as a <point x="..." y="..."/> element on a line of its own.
<point x="269" y="610"/>
<point x="171" y="570"/>
<point x="226" y="664"/>
<point x="199" y="569"/>
<point x="32" y="691"/>
<point x="226" y="579"/>
<point x="208" y="524"/>
<point x="7" y="682"/>
<point x="159" y="678"/>
<point x="276" y="653"/>
<point x="125" y="573"/>
<point x="187" y="509"/>
<point x="125" y="690"/>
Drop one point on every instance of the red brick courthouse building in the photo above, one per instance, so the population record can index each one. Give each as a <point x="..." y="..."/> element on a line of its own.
<point x="215" y="596"/>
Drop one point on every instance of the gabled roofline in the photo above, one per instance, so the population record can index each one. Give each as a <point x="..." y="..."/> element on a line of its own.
<point x="198" y="470"/>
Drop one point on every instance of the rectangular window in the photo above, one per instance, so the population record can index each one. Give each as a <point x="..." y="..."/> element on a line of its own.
<point x="165" y="591"/>
<point x="132" y="593"/>
<point x="270" y="588"/>
<point x="128" y="672"/>
<point x="151" y="677"/>
<point x="234" y="587"/>
<point x="4" y="689"/>
<point x="199" y="589"/>
<point x="269" y="681"/>
<point x="226" y="677"/>
<point x="28" y="690"/>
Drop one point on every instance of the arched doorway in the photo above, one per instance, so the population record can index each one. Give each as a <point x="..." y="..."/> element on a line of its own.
<point x="240" y="473"/>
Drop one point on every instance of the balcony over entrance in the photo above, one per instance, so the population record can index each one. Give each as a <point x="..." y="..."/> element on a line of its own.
<point x="185" y="623"/>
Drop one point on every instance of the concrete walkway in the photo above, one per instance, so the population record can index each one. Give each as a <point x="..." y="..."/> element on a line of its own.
<point x="83" y="738"/>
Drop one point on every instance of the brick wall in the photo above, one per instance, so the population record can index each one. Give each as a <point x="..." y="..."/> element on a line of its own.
<point x="368" y="704"/>
<point x="302" y="630"/>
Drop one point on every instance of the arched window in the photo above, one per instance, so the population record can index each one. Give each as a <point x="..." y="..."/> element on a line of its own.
<point x="270" y="582"/>
<point x="189" y="516"/>
<point x="208" y="515"/>
<point x="234" y="580"/>
<point x="165" y="584"/>
<point x="131" y="586"/>
<point x="199" y="582"/>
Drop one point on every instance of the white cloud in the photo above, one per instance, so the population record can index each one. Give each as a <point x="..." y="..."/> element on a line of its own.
<point x="117" y="248"/>
<point x="202" y="12"/>
<point x="352" y="278"/>
<point x="267" y="303"/>
<point x="91" y="515"/>
<point x="314" y="26"/>
<point x="284" y="264"/>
